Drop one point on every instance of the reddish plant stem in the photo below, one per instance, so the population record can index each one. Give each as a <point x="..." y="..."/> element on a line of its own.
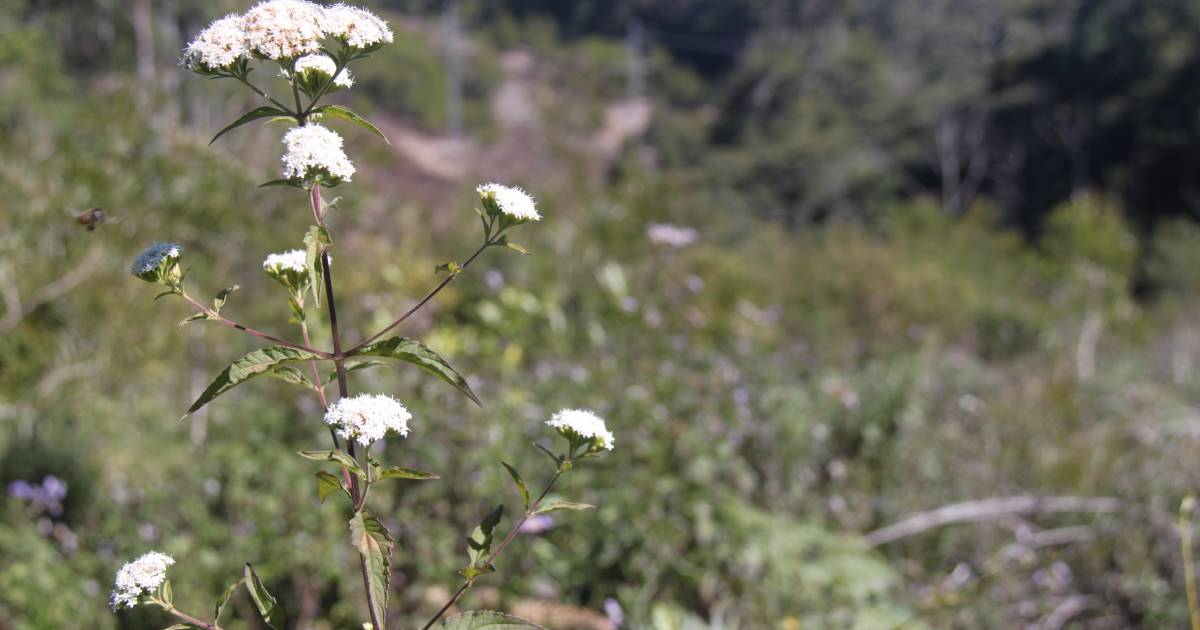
<point x="257" y="333"/>
<point x="186" y="618"/>
<point x="339" y="363"/>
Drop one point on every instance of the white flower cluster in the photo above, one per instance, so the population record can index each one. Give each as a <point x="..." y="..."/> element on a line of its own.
<point x="218" y="46"/>
<point x="671" y="235"/>
<point x="283" y="29"/>
<point x="313" y="149"/>
<point x="357" y="27"/>
<point x="139" y="577"/>
<point x="512" y="201"/>
<point x="366" y="418"/>
<point x="584" y="424"/>
<point x="153" y="257"/>
<point x="292" y="260"/>
<point x="319" y="67"/>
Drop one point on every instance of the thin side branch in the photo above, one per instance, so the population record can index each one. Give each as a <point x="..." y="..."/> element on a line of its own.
<point x="496" y="552"/>
<point x="248" y="330"/>
<point x="429" y="296"/>
<point x="989" y="510"/>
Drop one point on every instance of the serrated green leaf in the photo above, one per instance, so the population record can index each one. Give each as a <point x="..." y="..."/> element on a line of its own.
<point x="178" y="626"/>
<point x="278" y="119"/>
<point x="252" y="115"/>
<point x="221" y="603"/>
<point x="418" y="354"/>
<point x="291" y="375"/>
<point x="327" y="484"/>
<point x="166" y="592"/>
<point x="198" y="317"/>
<point x="374" y="543"/>
<point x="249" y="366"/>
<point x="486" y="620"/>
<point x="263" y="600"/>
<point x="559" y="504"/>
<point x="479" y="545"/>
<point x="338" y="111"/>
<point x="401" y="472"/>
<point x="339" y="457"/>
<point x="219" y="301"/>
<point x="520" y="483"/>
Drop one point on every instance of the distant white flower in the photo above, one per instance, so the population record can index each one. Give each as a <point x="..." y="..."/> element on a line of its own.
<point x="150" y="260"/>
<point x="139" y="577"/>
<point x="292" y="260"/>
<point x="218" y="46"/>
<point x="584" y="424"/>
<point x="319" y="67"/>
<point x="512" y="201"/>
<point x="359" y="28"/>
<point x="313" y="149"/>
<point x="366" y="418"/>
<point x="284" y="29"/>
<point x="671" y="235"/>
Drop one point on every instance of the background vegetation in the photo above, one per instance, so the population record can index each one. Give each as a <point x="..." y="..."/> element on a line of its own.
<point x="945" y="254"/>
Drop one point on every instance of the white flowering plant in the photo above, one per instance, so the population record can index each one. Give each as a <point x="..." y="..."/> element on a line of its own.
<point x="312" y="47"/>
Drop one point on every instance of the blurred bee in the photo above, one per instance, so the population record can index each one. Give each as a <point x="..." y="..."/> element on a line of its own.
<point x="90" y="218"/>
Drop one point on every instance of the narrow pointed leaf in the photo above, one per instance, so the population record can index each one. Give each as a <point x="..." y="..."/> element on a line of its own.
<point x="340" y="457"/>
<point x="559" y="504"/>
<point x="400" y="472"/>
<point x="486" y="620"/>
<point x="198" y="317"/>
<point x="479" y="545"/>
<point x="252" y="115"/>
<point x="520" y="483"/>
<point x="280" y="182"/>
<point x="224" y="600"/>
<point x="263" y="600"/>
<point x="248" y="367"/>
<point x="338" y="111"/>
<point x="374" y="543"/>
<point x="420" y="355"/>
<point x="315" y="241"/>
<point x="354" y="368"/>
<point x="554" y="458"/>
<point x="219" y="301"/>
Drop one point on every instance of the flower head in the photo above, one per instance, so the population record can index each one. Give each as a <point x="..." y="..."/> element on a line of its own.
<point x="313" y="150"/>
<point x="314" y="70"/>
<point x="158" y="263"/>
<point x="513" y="203"/>
<point x="367" y="417"/>
<point x="139" y="577"/>
<point x="290" y="268"/>
<point x="284" y="29"/>
<point x="217" y="47"/>
<point x="582" y="426"/>
<point x="357" y="28"/>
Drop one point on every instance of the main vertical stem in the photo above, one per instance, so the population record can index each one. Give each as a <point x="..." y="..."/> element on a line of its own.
<point x="339" y="363"/>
